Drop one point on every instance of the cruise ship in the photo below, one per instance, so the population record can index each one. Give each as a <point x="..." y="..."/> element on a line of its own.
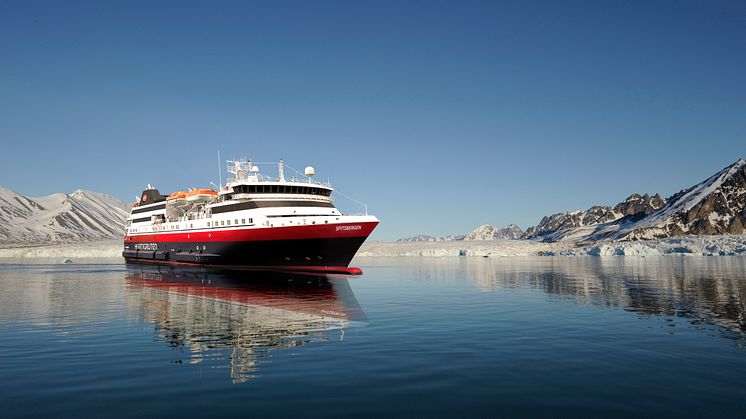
<point x="254" y="221"/>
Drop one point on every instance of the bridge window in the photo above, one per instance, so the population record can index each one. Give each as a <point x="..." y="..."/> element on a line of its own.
<point x="280" y="189"/>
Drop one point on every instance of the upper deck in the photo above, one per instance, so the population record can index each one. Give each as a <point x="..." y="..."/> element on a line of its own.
<point x="246" y="172"/>
<point x="247" y="182"/>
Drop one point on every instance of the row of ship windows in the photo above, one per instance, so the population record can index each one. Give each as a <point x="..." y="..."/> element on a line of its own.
<point x="228" y="222"/>
<point x="209" y="224"/>
<point x="290" y="189"/>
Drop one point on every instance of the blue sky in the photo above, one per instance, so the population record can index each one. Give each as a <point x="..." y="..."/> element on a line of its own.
<point x="439" y="115"/>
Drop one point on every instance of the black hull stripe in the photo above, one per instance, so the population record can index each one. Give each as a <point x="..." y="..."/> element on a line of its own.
<point x="308" y="252"/>
<point x="269" y="204"/>
<point x="146" y="209"/>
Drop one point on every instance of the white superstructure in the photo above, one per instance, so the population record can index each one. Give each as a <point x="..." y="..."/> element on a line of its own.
<point x="253" y="220"/>
<point x="248" y="199"/>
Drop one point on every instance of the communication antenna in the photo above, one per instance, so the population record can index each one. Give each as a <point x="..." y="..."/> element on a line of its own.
<point x="281" y="166"/>
<point x="220" y="173"/>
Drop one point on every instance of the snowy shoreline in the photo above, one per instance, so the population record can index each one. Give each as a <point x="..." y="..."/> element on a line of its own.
<point x="97" y="249"/>
<point x="732" y="245"/>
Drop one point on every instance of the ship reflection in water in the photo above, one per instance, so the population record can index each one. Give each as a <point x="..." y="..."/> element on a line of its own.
<point x="533" y="337"/>
<point x="233" y="318"/>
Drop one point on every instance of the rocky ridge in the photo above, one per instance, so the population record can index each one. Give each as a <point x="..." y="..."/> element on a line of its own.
<point x="558" y="226"/>
<point x="714" y="206"/>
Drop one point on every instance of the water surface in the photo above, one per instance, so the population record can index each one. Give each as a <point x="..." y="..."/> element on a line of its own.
<point x="528" y="337"/>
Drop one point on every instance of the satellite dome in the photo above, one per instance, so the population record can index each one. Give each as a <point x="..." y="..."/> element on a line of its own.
<point x="309" y="171"/>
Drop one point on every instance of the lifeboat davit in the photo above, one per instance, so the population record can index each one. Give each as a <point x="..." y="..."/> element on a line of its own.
<point x="200" y="195"/>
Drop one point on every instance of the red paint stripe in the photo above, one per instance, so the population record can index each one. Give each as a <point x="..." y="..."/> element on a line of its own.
<point x="317" y="231"/>
<point x="344" y="270"/>
<point x="322" y="302"/>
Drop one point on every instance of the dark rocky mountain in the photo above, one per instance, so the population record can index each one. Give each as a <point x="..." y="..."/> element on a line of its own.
<point x="561" y="221"/>
<point x="557" y="226"/>
<point x="636" y="204"/>
<point x="599" y="214"/>
<point x="714" y="206"/>
<point x="717" y="205"/>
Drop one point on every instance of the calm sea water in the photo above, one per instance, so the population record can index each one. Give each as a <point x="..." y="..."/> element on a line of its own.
<point x="653" y="337"/>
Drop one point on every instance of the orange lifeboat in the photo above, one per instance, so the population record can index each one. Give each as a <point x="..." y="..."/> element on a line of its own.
<point x="198" y="195"/>
<point x="177" y="195"/>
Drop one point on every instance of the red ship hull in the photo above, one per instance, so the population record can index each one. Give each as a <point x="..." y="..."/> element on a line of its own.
<point x="311" y="248"/>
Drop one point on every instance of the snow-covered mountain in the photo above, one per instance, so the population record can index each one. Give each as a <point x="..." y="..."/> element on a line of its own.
<point x="483" y="232"/>
<point x="488" y="232"/>
<point x="559" y="225"/>
<point x="426" y="238"/>
<point x="81" y="215"/>
<point x="717" y="205"/>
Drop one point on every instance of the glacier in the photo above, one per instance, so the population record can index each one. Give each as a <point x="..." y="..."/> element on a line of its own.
<point x="726" y="245"/>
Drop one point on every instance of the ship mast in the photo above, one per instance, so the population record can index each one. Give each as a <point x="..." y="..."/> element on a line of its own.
<point x="281" y="169"/>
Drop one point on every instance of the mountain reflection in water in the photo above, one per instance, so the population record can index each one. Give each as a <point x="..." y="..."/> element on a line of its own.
<point x="530" y="337"/>
<point x="704" y="289"/>
<point x="234" y="318"/>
